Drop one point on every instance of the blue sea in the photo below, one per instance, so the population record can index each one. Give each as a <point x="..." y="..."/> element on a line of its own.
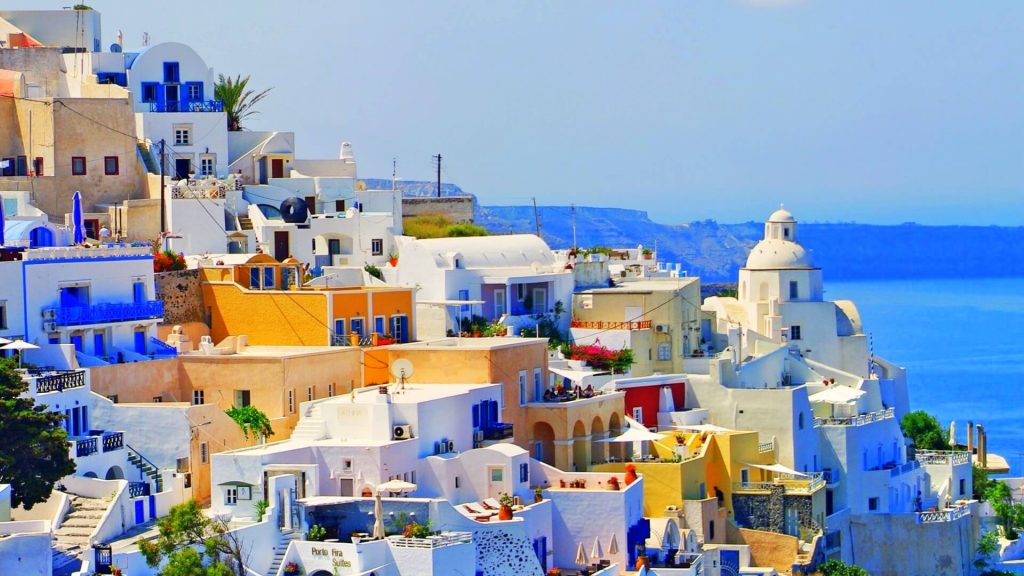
<point x="962" y="343"/>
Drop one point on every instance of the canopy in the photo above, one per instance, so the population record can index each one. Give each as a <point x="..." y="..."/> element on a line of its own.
<point x="575" y="376"/>
<point x="19" y="345"/>
<point x="779" y="469"/>
<point x="837" y="395"/>
<point x="4" y="341"/>
<point x="396" y="485"/>
<point x="636" y="433"/>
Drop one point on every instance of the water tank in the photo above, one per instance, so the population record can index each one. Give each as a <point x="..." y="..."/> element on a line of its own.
<point x="294" y="210"/>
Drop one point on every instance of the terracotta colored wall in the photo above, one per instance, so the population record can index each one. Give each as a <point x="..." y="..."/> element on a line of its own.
<point x="140" y="381"/>
<point x="267" y="318"/>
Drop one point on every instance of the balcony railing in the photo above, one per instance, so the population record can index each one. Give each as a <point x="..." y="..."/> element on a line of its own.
<point x="947" y="515"/>
<point x="60" y="381"/>
<point x="107" y="312"/>
<point x="439" y="541"/>
<point x="136" y="489"/>
<point x="499" y="431"/>
<point x="790" y="485"/>
<point x="948" y="457"/>
<point x="85" y="447"/>
<point x="187" y="106"/>
<point x="904" y="468"/>
<point x="602" y="325"/>
<point x="113" y="442"/>
<point x="858" y="420"/>
<point x="831" y="476"/>
<point x="763" y="447"/>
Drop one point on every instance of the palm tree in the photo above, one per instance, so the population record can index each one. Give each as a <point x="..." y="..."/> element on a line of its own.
<point x="239" y="101"/>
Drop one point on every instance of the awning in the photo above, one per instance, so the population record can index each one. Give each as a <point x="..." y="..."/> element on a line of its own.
<point x="703" y="428"/>
<point x="576" y="376"/>
<point x="779" y="469"/>
<point x="837" y="395"/>
<point x="636" y="433"/>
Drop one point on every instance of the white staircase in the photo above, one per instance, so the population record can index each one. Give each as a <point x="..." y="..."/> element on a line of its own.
<point x="311" y="427"/>
<point x="280" y="550"/>
<point x="71" y="540"/>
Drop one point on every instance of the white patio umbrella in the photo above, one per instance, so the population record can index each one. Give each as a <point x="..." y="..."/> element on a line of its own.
<point x="19" y="345"/>
<point x="613" y="546"/>
<point x="635" y="433"/>
<point x="780" y="469"/>
<point x="581" y="556"/>
<point x="597" y="552"/>
<point x="952" y="434"/>
<point x="837" y="395"/>
<point x="378" y="513"/>
<point x="397" y="486"/>
<point x="4" y="341"/>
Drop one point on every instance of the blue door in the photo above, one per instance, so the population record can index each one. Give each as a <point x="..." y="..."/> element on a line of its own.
<point x="730" y="560"/>
<point x="98" y="347"/>
<point x="378" y="325"/>
<point x="139" y="292"/>
<point x="339" y="332"/>
<point x="76" y="339"/>
<point x="400" y="328"/>
<point x="140" y="511"/>
<point x="357" y="327"/>
<point x="140" y="341"/>
<point x="40" y="238"/>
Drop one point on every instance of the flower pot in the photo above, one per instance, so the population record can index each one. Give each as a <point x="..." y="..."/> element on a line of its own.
<point x="505" y="513"/>
<point x="630" y="474"/>
<point x="538" y="498"/>
<point x="641" y="561"/>
<point x="393" y="262"/>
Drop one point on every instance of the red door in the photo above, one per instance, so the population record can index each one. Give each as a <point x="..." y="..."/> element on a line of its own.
<point x="277" y="168"/>
<point x="280" y="245"/>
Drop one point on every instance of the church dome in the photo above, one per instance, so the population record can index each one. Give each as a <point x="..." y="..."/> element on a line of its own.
<point x="774" y="254"/>
<point x="781" y="215"/>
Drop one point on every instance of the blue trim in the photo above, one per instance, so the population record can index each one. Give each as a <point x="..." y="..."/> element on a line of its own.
<point x="83" y="260"/>
<point x="24" y="297"/>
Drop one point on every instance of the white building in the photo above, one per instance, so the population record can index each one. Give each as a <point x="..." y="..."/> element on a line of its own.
<point x="24" y="544"/>
<point x="515" y="277"/>
<point x="172" y="92"/>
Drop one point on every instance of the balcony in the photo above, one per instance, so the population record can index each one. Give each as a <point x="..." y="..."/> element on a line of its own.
<point x="96" y="440"/>
<point x="949" y="514"/>
<point x="187" y="106"/>
<point x="794" y="486"/>
<point x="441" y="540"/>
<point x="858" y="420"/>
<point x="942" y="457"/>
<point x="59" y="381"/>
<point x="105" y="313"/>
<point x="602" y="325"/>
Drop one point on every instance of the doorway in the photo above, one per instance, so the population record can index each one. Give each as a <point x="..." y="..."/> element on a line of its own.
<point x="277" y="168"/>
<point x="495" y="481"/>
<point x="280" y="245"/>
<point x="182" y="168"/>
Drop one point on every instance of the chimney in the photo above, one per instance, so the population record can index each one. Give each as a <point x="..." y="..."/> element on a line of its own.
<point x="982" y="447"/>
<point x="970" y="438"/>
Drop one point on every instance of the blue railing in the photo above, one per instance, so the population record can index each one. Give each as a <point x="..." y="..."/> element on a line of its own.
<point x="161" y="348"/>
<point x="187" y="106"/>
<point x="103" y="313"/>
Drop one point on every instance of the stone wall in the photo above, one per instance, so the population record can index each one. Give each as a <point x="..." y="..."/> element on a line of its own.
<point x="894" y="545"/>
<point x="181" y="295"/>
<point x="457" y="208"/>
<point x="767" y="511"/>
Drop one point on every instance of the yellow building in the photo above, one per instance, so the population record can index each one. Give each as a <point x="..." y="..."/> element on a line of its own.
<point x="260" y="299"/>
<point x="566" y="434"/>
<point x="659" y="319"/>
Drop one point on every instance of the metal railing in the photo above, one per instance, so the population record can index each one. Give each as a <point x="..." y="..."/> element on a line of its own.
<point x="214" y="191"/>
<point x="107" y="312"/>
<point x="948" y="515"/>
<point x="789" y="485"/>
<point x="603" y="325"/>
<point x="499" y="431"/>
<point x="85" y="447"/>
<point x="61" y="381"/>
<point x="136" y="489"/>
<point x="858" y="420"/>
<point x="187" y="106"/>
<point x="768" y="446"/>
<point x="438" y="541"/>
<point x="942" y="457"/>
<point x="161" y="348"/>
<point x="114" y="441"/>
<point x="904" y="468"/>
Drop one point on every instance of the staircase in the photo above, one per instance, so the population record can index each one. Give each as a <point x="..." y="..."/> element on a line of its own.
<point x="280" y="550"/>
<point x="147" y="158"/>
<point x="147" y="468"/>
<point x="72" y="538"/>
<point x="244" y="222"/>
<point x="311" y="427"/>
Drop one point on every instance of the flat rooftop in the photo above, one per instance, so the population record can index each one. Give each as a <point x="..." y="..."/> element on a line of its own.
<point x="405" y="394"/>
<point x="486" y="343"/>
<point x="274" y="352"/>
<point x="636" y="286"/>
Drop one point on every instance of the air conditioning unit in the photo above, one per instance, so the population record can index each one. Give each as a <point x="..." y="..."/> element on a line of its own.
<point x="403" y="432"/>
<point x="662" y="328"/>
<point x="451" y="446"/>
<point x="49" y="313"/>
<point x="49" y="326"/>
<point x="478" y="435"/>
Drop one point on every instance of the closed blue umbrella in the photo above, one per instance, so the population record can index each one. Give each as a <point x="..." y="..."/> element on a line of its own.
<point x="1" y="221"/>
<point x="76" y="217"/>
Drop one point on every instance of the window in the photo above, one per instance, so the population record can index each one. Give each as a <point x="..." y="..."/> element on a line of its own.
<point x="194" y="91"/>
<point x="7" y="167"/>
<point x="524" y="472"/>
<point x="873" y="504"/>
<point x="346" y="465"/>
<point x="800" y="421"/>
<point x="291" y="401"/>
<point x="171" y="72"/>
<point x="794" y="289"/>
<point x="110" y="166"/>
<point x="963" y="486"/>
<point x="183" y="135"/>
<point x="377" y="246"/>
<point x="204" y="452"/>
<point x="3" y="314"/>
<point x="309" y="394"/>
<point x="638" y="413"/>
<point x="665" y="351"/>
<point x="254" y="278"/>
<point x="794" y="332"/>
<point x="711" y="530"/>
<point x="37" y="166"/>
<point x="230" y="496"/>
<point x="538" y="393"/>
<point x="458" y="482"/>
<point x="339" y="205"/>
<point x="330" y="389"/>
<point x="149" y="91"/>
<point x="268" y="278"/>
<point x="198" y="397"/>
<point x="21" y="166"/>
<point x="207" y="164"/>
<point x="241" y="398"/>
<point x="497" y="474"/>
<point x="78" y="165"/>
<point x="522" y="388"/>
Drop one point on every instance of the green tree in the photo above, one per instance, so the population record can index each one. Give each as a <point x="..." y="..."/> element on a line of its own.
<point x="194" y="545"/>
<point x="980" y="482"/>
<point x="239" y="101"/>
<point x="1010" y="514"/>
<point x="35" y="453"/>
<point x="924" y="430"/>
<point x="251" y="420"/>
<point x="838" y="568"/>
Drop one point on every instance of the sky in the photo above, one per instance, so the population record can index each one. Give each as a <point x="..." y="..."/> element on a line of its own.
<point x="873" y="111"/>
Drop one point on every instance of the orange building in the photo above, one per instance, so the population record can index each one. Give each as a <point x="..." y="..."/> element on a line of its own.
<point x="262" y="299"/>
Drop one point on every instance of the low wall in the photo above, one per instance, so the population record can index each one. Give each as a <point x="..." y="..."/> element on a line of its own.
<point x="893" y="545"/>
<point x="139" y="382"/>
<point x="27" y="554"/>
<point x="457" y="208"/>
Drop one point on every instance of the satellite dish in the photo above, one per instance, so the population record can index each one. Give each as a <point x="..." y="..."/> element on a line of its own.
<point x="401" y="369"/>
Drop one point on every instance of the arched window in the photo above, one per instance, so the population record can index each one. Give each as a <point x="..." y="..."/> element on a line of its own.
<point x="800" y="421"/>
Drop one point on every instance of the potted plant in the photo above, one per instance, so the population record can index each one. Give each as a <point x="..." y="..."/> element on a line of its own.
<point x="630" y="473"/>
<point x="680" y="439"/>
<point x="316" y="533"/>
<point x="648" y="253"/>
<point x="261" y="509"/>
<point x="554" y="571"/>
<point x="505" y="506"/>
<point x="538" y="494"/>
<point x="393" y="258"/>
<point x="613" y="483"/>
<point x="641" y="557"/>
<point x="292" y="569"/>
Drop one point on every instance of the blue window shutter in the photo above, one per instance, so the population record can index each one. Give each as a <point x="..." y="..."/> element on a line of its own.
<point x="494" y="411"/>
<point x="476" y="415"/>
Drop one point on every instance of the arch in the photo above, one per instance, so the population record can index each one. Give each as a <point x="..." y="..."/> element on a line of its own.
<point x="320" y="573"/>
<point x="90" y="475"/>
<point x="614" y="429"/>
<point x="580" y="447"/>
<point x="544" y="443"/>
<point x="598" y="453"/>
<point x="40" y="237"/>
<point x="115" y="473"/>
<point x="345" y="246"/>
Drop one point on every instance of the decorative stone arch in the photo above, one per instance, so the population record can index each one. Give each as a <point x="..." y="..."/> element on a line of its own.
<point x="598" y="451"/>
<point x="580" y="447"/>
<point x="115" y="473"/>
<point x="544" y="439"/>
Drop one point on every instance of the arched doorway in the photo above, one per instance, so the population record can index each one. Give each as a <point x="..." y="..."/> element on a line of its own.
<point x="614" y="429"/>
<point x="580" y="448"/>
<point x="598" y="450"/>
<point x="90" y="475"/>
<point x="40" y="237"/>
<point x="543" y="443"/>
<point x="115" y="473"/>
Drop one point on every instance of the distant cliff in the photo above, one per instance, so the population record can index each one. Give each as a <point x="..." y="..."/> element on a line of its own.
<point x="714" y="251"/>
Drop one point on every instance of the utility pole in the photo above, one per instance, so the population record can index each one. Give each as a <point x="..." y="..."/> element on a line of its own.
<point x="163" y="201"/>
<point x="438" y="158"/>
<point x="536" y="217"/>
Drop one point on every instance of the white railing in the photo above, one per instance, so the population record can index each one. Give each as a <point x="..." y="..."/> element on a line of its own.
<point x="768" y="446"/>
<point x="77" y="253"/>
<point x="942" y="457"/>
<point x="438" y="541"/>
<point x="201" y="190"/>
<point x="858" y="420"/>
<point x="791" y="485"/>
<point x="948" y="515"/>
